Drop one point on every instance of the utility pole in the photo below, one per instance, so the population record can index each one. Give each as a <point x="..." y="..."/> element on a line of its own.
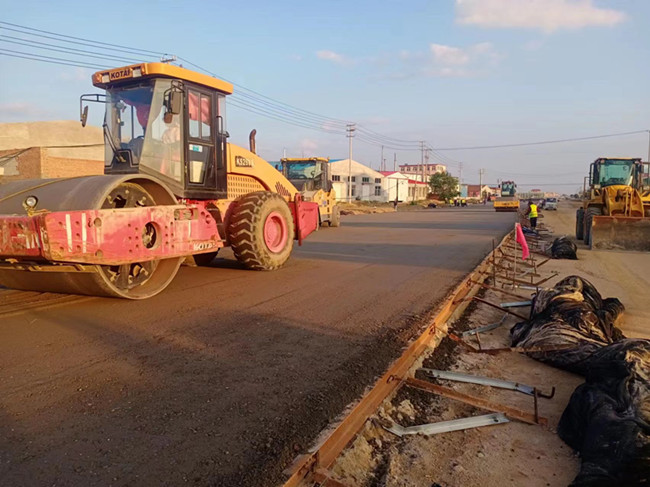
<point x="480" y="183"/>
<point x="426" y="166"/>
<point x="381" y="163"/>
<point x="350" y="128"/>
<point x="648" y="159"/>
<point x="422" y="158"/>
<point x="394" y="161"/>
<point x="460" y="173"/>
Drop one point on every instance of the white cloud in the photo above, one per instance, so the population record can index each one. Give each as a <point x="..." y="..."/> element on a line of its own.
<point x="452" y="61"/>
<point x="545" y="15"/>
<point x="449" y="55"/>
<point x="308" y="146"/>
<point x="22" y="112"/>
<point x="533" y="45"/>
<point x="76" y="74"/>
<point x="331" y="56"/>
<point x="441" y="60"/>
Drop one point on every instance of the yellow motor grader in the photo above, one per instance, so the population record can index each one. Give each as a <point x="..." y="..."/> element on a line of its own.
<point x="173" y="188"/>
<point x="312" y="177"/>
<point x="616" y="213"/>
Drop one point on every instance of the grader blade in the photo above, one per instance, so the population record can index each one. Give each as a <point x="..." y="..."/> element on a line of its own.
<point x="620" y="233"/>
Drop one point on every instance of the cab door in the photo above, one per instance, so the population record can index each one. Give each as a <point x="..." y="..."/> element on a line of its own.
<point x="205" y="151"/>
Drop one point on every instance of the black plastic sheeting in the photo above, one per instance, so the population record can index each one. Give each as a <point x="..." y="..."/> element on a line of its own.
<point x="564" y="248"/>
<point x="607" y="419"/>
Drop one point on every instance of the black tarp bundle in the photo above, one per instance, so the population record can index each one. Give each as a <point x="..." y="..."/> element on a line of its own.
<point x="607" y="419"/>
<point x="564" y="248"/>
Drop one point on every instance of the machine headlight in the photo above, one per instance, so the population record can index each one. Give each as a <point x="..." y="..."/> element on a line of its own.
<point x="137" y="72"/>
<point x="105" y="78"/>
<point x="31" y="202"/>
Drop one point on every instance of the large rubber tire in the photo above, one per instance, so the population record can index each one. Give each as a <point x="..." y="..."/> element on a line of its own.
<point x="261" y="231"/>
<point x="580" y="223"/>
<point x="335" y="217"/>
<point x="589" y="218"/>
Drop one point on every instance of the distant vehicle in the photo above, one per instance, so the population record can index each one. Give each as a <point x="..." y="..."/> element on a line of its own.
<point x="616" y="211"/>
<point x="311" y="176"/>
<point x="551" y="204"/>
<point x="508" y="201"/>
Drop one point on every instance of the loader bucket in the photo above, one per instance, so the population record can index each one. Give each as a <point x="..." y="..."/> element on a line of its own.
<point x="620" y="233"/>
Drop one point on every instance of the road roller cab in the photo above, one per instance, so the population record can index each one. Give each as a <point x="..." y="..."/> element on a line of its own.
<point x="173" y="188"/>
<point x="167" y="122"/>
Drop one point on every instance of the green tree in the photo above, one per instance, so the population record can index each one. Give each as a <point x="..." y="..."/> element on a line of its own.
<point x="444" y="185"/>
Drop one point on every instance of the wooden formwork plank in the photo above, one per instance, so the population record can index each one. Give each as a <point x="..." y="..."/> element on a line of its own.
<point x="479" y="402"/>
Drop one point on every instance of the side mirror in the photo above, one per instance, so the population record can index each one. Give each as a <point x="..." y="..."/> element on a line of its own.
<point x="84" y="116"/>
<point x="175" y="102"/>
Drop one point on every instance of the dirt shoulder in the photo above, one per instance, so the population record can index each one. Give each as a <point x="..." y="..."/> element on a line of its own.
<point x="511" y="454"/>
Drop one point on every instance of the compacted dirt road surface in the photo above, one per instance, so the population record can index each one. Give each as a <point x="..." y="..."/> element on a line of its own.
<point x="228" y="374"/>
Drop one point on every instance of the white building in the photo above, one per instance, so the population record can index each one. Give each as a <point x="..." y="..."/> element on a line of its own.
<point x="415" y="171"/>
<point x="418" y="190"/>
<point x="397" y="186"/>
<point x="366" y="183"/>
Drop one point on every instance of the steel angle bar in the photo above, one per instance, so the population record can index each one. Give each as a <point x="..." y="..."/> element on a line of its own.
<point x="498" y="290"/>
<point x="475" y="379"/>
<point x="447" y="426"/>
<point x="516" y="304"/>
<point x="479" y="402"/>
<point x="484" y="328"/>
<point x="499" y="307"/>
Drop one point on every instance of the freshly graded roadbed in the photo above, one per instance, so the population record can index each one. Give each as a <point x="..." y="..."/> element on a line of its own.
<point x="227" y="375"/>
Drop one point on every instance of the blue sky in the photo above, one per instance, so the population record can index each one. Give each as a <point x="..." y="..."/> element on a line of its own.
<point x="454" y="73"/>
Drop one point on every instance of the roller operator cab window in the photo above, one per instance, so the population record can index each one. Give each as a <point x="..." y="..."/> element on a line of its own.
<point x="507" y="189"/>
<point x="615" y="171"/>
<point x="135" y="121"/>
<point x="199" y="108"/>
<point x="303" y="170"/>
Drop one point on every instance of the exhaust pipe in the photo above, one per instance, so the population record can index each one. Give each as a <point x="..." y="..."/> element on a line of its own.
<point x="251" y="141"/>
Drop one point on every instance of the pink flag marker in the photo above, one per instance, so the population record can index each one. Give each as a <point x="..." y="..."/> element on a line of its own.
<point x="521" y="240"/>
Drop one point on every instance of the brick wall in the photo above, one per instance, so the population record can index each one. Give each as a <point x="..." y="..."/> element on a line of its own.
<point x="20" y="164"/>
<point x="39" y="163"/>
<point x="66" y="167"/>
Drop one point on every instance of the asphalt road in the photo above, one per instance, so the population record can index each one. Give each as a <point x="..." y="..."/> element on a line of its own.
<point x="228" y="374"/>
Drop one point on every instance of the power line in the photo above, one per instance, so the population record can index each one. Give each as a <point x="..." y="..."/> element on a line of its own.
<point x="98" y="43"/>
<point x="322" y="117"/>
<point x="557" y="141"/>
<point x="245" y="98"/>
<point x="28" y="43"/>
<point x="53" y="60"/>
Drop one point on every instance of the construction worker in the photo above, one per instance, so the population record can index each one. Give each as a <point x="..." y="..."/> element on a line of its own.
<point x="532" y="214"/>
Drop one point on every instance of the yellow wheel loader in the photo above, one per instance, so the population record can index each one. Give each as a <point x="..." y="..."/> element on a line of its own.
<point x="311" y="176"/>
<point x="616" y="214"/>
